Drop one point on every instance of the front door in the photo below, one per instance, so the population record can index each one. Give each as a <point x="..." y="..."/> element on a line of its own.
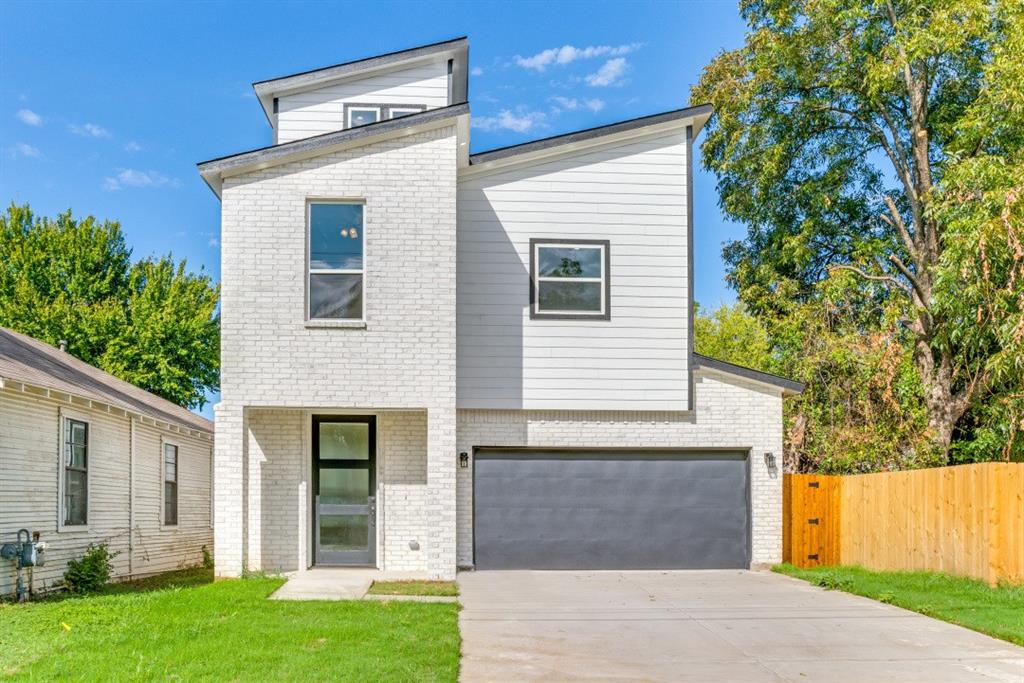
<point x="344" y="455"/>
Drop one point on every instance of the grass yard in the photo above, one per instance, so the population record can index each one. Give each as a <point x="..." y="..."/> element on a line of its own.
<point x="181" y="626"/>
<point x="998" y="612"/>
<point x="432" y="588"/>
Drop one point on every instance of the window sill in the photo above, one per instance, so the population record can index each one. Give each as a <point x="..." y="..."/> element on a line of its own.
<point x="72" y="528"/>
<point x="337" y="324"/>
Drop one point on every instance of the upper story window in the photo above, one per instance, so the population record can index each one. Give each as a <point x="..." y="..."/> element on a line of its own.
<point x="398" y="112"/>
<point x="335" y="269"/>
<point x="569" y="279"/>
<point x="360" y="115"/>
<point x="75" y="509"/>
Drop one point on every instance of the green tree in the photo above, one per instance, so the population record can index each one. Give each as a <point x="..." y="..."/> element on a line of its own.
<point x="834" y="128"/>
<point x="732" y="334"/>
<point x="151" y="323"/>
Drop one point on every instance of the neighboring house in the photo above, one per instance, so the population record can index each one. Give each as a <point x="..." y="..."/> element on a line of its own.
<point x="434" y="359"/>
<point x="88" y="458"/>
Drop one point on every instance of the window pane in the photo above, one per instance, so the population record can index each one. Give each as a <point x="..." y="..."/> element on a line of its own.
<point x="336" y="236"/>
<point x="344" y="441"/>
<point x="76" y="432"/>
<point x="336" y="295"/>
<point x="569" y="262"/>
<point x="569" y="296"/>
<point x="170" y="503"/>
<point x="76" y="456"/>
<point x="397" y="113"/>
<point x="344" y="486"/>
<point x="170" y="462"/>
<point x="75" y="502"/>
<point x="344" y="532"/>
<point x="361" y="117"/>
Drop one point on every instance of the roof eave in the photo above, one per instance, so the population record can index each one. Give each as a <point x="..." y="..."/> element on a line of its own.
<point x="788" y="386"/>
<point x="213" y="171"/>
<point x="267" y="89"/>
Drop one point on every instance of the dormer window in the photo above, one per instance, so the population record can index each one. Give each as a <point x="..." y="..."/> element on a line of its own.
<point x="362" y="115"/>
<point x="398" y="112"/>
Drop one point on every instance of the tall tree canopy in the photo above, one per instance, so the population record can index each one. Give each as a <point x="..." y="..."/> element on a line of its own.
<point x="151" y="322"/>
<point x="882" y="139"/>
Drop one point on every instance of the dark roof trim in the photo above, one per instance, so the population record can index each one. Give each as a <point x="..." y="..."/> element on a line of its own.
<point x="589" y="134"/>
<point x="317" y="142"/>
<point x="376" y="61"/>
<point x="747" y="373"/>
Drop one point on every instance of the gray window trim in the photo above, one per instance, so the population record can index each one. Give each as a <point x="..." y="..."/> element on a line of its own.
<point x="607" y="277"/>
<point x="383" y="110"/>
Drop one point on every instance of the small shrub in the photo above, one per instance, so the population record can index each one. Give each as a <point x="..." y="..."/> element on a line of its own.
<point x="90" y="572"/>
<point x="207" y="558"/>
<point x="887" y="598"/>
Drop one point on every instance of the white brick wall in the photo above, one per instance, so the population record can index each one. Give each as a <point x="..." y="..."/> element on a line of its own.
<point x="272" y="358"/>
<point x="402" y="490"/>
<point x="730" y="413"/>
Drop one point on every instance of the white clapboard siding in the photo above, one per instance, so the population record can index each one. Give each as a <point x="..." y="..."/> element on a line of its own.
<point x="29" y="470"/>
<point x="632" y="194"/>
<point x="321" y="110"/>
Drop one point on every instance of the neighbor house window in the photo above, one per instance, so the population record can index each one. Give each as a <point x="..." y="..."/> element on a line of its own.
<point x="336" y="261"/>
<point x="76" y="473"/>
<point x="569" y="279"/>
<point x="170" y="484"/>
<point x="360" y="116"/>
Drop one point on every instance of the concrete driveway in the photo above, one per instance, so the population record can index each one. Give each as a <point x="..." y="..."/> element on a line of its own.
<point x="735" y="626"/>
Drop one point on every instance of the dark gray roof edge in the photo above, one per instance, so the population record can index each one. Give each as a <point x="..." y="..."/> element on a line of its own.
<point x="589" y="133"/>
<point x="315" y="142"/>
<point x="376" y="61"/>
<point x="748" y="373"/>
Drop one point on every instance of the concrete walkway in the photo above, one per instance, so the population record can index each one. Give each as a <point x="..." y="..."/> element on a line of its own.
<point x="735" y="626"/>
<point x="335" y="583"/>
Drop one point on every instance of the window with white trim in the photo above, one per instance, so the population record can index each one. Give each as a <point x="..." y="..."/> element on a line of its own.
<point x="75" y="506"/>
<point x="360" y="116"/>
<point x="335" y="267"/>
<point x="170" y="468"/>
<point x="569" y="279"/>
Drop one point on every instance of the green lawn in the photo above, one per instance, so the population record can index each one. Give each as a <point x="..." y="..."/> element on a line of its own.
<point x="999" y="612"/>
<point x="432" y="588"/>
<point x="181" y="626"/>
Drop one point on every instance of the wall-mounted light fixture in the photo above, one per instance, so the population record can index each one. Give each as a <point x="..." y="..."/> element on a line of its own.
<point x="463" y="459"/>
<point x="769" y="460"/>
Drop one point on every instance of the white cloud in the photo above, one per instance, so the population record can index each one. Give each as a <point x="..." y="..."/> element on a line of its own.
<point x="476" y="71"/>
<point x="571" y="103"/>
<point x="133" y="147"/>
<point x="23" y="150"/>
<point x="520" y="122"/>
<point x="130" y="177"/>
<point x="569" y="53"/>
<point x="213" y="243"/>
<point x="29" y="117"/>
<point x="89" y="130"/>
<point x="610" y="73"/>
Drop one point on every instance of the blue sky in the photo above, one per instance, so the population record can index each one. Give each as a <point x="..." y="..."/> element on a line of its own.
<point x="106" y="107"/>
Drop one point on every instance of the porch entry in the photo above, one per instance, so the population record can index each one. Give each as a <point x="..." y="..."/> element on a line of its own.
<point x="344" y="479"/>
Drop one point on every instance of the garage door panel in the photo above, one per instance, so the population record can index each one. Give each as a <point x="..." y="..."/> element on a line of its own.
<point x="610" y="510"/>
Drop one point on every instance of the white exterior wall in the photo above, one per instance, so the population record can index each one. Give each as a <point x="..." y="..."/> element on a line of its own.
<point x="403" y="358"/>
<point x="124" y="510"/>
<point x="730" y="413"/>
<point x="632" y="194"/>
<point x="319" y="111"/>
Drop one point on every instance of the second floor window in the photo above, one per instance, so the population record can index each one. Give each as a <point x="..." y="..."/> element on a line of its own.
<point x="569" y="279"/>
<point x="335" y="261"/>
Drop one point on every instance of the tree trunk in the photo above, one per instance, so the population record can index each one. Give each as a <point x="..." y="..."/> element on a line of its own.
<point x="943" y="406"/>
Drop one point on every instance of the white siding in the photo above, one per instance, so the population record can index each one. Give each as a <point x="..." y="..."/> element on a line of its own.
<point x="314" y="112"/>
<point x="29" y="474"/>
<point x="632" y="194"/>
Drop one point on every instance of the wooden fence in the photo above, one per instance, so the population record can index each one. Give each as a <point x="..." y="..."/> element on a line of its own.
<point x="966" y="520"/>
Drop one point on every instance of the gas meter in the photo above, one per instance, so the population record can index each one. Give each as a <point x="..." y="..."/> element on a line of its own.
<point x="27" y="551"/>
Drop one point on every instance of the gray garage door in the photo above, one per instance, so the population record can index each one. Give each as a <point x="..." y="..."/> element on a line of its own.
<point x="610" y="510"/>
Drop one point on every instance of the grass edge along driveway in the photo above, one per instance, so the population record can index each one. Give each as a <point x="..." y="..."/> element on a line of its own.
<point x="226" y="630"/>
<point x="995" y="611"/>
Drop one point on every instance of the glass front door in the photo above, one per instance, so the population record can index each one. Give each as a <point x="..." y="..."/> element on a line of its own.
<point x="343" y="469"/>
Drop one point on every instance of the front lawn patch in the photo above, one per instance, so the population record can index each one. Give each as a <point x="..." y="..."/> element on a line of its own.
<point x="436" y="588"/>
<point x="174" y="629"/>
<point x="998" y="612"/>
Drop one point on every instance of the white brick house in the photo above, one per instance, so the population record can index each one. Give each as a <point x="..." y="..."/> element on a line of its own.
<point x="434" y="359"/>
